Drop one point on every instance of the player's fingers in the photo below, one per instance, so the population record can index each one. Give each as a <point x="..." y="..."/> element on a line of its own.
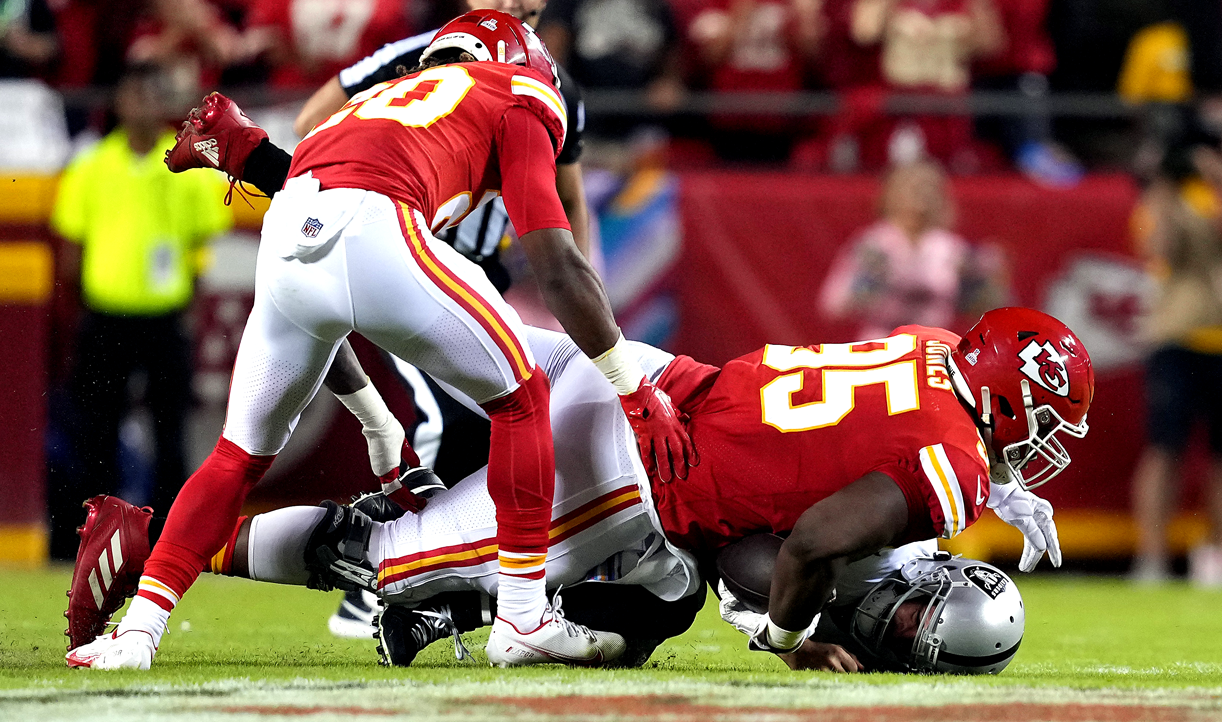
<point x="678" y="452"/>
<point x="689" y="449"/>
<point x="850" y="662"/>
<point x="646" y="449"/>
<point x="1031" y="556"/>
<point x="661" y="463"/>
<point x="1049" y="528"/>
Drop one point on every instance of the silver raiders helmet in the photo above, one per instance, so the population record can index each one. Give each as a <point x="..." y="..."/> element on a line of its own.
<point x="960" y="616"/>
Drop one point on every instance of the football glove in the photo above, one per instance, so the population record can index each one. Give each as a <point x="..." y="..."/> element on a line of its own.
<point x="666" y="449"/>
<point x="1031" y="515"/>
<point x="215" y="135"/>
<point x="754" y="624"/>
<point x="735" y="613"/>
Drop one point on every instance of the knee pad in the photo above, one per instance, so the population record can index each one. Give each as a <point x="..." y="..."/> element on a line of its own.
<point x="335" y="552"/>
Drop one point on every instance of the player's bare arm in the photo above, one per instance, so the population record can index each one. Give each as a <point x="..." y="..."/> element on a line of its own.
<point x="329" y="98"/>
<point x="571" y="289"/>
<point x="860" y="519"/>
<point x="573" y="292"/>
<point x="570" y="186"/>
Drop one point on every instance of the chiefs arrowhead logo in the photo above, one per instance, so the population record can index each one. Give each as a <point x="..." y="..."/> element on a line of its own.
<point x="1043" y="365"/>
<point x="207" y="148"/>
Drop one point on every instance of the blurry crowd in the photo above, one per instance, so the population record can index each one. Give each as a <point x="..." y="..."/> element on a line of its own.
<point x="863" y="52"/>
<point x="135" y="233"/>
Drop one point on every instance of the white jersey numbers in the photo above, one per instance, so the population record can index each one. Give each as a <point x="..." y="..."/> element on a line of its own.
<point x="845" y="367"/>
<point x="416" y="103"/>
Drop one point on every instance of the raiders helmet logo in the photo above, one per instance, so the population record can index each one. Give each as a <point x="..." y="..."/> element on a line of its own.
<point x="990" y="582"/>
<point x="1043" y="365"/>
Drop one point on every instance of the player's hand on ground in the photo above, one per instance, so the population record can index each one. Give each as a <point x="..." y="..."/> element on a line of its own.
<point x="215" y="135"/>
<point x="823" y="657"/>
<point x="1032" y="516"/>
<point x="665" y="446"/>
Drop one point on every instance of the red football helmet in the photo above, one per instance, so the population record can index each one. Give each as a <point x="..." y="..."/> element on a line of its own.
<point x="494" y="36"/>
<point x="1029" y="378"/>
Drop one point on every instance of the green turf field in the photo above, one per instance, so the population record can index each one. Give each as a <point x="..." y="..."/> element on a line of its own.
<point x="1095" y="649"/>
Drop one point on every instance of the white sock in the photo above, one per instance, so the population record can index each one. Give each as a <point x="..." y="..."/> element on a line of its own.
<point x="521" y="601"/>
<point x="145" y="615"/>
<point x="277" y="541"/>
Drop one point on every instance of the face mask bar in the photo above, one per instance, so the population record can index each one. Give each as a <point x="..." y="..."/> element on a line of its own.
<point x="1042" y="449"/>
<point x="935" y="584"/>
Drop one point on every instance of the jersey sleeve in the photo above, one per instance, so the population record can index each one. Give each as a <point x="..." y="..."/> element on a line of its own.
<point x="528" y="173"/>
<point x="70" y="215"/>
<point x="544" y="101"/>
<point x="946" y="490"/>
<point x="687" y="382"/>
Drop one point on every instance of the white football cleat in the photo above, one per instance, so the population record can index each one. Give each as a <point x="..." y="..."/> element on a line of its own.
<point x="132" y="649"/>
<point x="556" y="641"/>
<point x="357" y="616"/>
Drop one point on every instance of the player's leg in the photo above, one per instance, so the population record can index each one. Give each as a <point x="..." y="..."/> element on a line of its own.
<point x="452" y="324"/>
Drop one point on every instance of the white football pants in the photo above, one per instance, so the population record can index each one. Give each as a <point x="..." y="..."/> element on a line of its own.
<point x="603" y="525"/>
<point x="335" y="261"/>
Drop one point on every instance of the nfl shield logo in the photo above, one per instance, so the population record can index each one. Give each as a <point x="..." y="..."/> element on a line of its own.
<point x="311" y="228"/>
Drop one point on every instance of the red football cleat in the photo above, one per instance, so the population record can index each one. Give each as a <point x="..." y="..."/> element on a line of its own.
<point x="109" y="562"/>
<point x="215" y="135"/>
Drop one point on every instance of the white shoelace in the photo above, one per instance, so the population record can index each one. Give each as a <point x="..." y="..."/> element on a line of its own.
<point x="443" y="620"/>
<point x="572" y="629"/>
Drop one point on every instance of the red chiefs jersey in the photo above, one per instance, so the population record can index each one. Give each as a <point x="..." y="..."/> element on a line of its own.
<point x="782" y="428"/>
<point x="438" y="141"/>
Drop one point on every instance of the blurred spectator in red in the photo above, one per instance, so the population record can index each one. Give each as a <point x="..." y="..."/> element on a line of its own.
<point x="100" y="37"/>
<point x="28" y="45"/>
<point x="925" y="46"/>
<point x="909" y="267"/>
<point x="617" y="44"/>
<point x="1024" y="66"/>
<point x="1178" y="230"/>
<point x="755" y="45"/>
<point x="310" y="41"/>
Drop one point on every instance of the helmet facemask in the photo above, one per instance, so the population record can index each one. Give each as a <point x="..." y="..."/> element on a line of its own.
<point x="1036" y="460"/>
<point x="876" y="614"/>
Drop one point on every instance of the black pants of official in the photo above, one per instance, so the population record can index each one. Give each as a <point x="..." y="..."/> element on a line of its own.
<point x="110" y="349"/>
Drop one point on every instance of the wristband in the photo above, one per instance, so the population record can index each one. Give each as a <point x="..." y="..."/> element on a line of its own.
<point x="783" y="639"/>
<point x="367" y="406"/>
<point x="621" y="367"/>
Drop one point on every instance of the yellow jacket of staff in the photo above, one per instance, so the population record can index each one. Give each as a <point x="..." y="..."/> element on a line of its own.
<point x="140" y="226"/>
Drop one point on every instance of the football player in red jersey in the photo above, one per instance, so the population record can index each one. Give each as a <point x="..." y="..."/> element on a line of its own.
<point x="843" y="449"/>
<point x="348" y="245"/>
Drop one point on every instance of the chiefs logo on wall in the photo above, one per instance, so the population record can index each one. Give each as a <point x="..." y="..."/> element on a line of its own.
<point x="1043" y="365"/>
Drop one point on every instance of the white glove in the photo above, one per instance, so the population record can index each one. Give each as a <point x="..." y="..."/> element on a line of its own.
<point x="1032" y="516"/>
<point x="753" y="624"/>
<point x="382" y="430"/>
<point x="736" y="613"/>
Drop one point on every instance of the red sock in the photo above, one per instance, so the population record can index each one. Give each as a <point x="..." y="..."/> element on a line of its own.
<point x="202" y="517"/>
<point x="522" y="466"/>
<point x="222" y="561"/>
